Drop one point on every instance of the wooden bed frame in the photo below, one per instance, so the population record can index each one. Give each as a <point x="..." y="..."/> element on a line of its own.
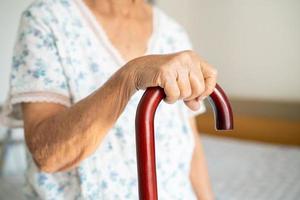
<point x="266" y="121"/>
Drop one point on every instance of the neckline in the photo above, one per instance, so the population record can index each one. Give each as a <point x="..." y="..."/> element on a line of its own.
<point x="103" y="37"/>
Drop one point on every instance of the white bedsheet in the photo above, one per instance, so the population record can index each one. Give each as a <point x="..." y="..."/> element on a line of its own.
<point x="252" y="171"/>
<point x="239" y="171"/>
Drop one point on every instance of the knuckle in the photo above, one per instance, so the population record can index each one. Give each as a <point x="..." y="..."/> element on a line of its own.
<point x="214" y="71"/>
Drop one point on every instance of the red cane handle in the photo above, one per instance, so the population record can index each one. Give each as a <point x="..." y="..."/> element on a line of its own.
<point x="222" y="109"/>
<point x="145" y="142"/>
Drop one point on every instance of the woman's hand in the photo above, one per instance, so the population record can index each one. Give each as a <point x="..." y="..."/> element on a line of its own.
<point x="52" y="130"/>
<point x="183" y="75"/>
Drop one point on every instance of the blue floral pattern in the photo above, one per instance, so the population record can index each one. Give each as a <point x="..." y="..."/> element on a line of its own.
<point x="57" y="52"/>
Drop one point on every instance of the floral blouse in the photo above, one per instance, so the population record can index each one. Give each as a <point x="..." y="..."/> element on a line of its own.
<point x="62" y="55"/>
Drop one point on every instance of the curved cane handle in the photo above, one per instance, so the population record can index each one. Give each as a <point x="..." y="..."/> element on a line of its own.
<point x="222" y="109"/>
<point x="145" y="142"/>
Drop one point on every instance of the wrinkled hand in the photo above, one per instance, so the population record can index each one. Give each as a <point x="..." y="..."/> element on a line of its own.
<point x="183" y="75"/>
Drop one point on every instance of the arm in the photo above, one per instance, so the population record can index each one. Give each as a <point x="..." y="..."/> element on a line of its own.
<point x="59" y="137"/>
<point x="199" y="174"/>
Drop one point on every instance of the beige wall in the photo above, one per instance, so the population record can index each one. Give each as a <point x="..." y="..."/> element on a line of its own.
<point x="10" y="11"/>
<point x="255" y="44"/>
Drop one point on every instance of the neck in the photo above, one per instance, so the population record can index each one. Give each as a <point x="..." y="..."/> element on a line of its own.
<point x="116" y="7"/>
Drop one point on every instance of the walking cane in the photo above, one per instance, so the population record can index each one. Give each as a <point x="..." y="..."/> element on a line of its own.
<point x="145" y="144"/>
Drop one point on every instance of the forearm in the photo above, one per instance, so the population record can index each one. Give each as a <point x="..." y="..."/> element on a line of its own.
<point x="60" y="137"/>
<point x="199" y="173"/>
<point x="63" y="140"/>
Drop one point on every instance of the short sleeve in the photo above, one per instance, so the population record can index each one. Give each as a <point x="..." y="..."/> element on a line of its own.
<point x="36" y="72"/>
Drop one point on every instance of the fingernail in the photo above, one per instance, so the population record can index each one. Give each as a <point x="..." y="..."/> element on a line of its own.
<point x="202" y="98"/>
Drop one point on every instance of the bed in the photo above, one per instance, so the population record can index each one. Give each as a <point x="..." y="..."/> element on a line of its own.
<point x="252" y="171"/>
<point x="239" y="170"/>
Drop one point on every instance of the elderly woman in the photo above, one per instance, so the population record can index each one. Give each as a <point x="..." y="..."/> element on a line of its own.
<point x="79" y="70"/>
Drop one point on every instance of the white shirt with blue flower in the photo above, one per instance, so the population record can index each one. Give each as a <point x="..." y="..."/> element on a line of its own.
<point x="62" y="55"/>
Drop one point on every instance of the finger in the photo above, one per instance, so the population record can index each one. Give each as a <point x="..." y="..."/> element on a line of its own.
<point x="183" y="83"/>
<point x="172" y="91"/>
<point x="193" y="104"/>
<point x="210" y="78"/>
<point x="197" y="85"/>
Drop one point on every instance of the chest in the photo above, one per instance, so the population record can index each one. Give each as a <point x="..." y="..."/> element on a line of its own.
<point x="127" y="31"/>
<point x="128" y="36"/>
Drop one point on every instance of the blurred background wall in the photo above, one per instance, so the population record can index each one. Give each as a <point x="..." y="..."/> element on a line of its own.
<point x="9" y="19"/>
<point x="254" y="44"/>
